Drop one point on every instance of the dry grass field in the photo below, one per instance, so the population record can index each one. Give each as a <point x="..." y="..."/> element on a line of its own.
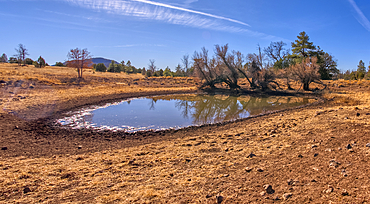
<point x="315" y="154"/>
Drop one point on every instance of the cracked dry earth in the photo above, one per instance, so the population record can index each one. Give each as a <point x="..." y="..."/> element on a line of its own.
<point x="317" y="154"/>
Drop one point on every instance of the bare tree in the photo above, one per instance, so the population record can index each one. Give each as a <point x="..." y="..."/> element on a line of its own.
<point x="276" y="51"/>
<point x="80" y="59"/>
<point x="151" y="66"/>
<point x="306" y="72"/>
<point x="22" y="52"/>
<point x="186" y="64"/>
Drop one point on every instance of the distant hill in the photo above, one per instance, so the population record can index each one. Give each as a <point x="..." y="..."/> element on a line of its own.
<point x="106" y="62"/>
<point x="97" y="60"/>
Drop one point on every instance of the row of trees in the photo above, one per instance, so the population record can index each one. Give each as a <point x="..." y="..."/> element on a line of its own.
<point x="304" y="62"/>
<point x="360" y="73"/>
<point x="21" y="60"/>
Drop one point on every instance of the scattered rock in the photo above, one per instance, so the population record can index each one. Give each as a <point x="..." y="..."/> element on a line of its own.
<point x="259" y="170"/>
<point x="269" y="189"/>
<point x="358" y="114"/>
<point x="329" y="190"/>
<point x="346" y="118"/>
<point x="315" y="155"/>
<point x="333" y="164"/>
<point x="300" y="156"/>
<point x="31" y="86"/>
<point x="26" y="190"/>
<point x="79" y="147"/>
<point x="344" y="192"/>
<point x="292" y="182"/>
<point x="4" y="148"/>
<point x="349" y="146"/>
<point x="248" y="169"/>
<point x="219" y="199"/>
<point x="79" y="159"/>
<point x="68" y="175"/>
<point x="344" y="173"/>
<point x="287" y="195"/>
<point x="251" y="155"/>
<point x="263" y="193"/>
<point x="208" y="196"/>
<point x="313" y="146"/>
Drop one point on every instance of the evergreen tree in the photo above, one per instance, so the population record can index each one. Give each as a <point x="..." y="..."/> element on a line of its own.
<point x="111" y="67"/>
<point x="41" y="62"/>
<point x="4" y="58"/>
<point x="361" y="70"/>
<point x="28" y="61"/>
<point x="143" y="71"/>
<point x="59" y="64"/>
<point x="302" y="47"/>
<point x="167" y="72"/>
<point x="13" y="60"/>
<point x="179" y="71"/>
<point x="100" y="67"/>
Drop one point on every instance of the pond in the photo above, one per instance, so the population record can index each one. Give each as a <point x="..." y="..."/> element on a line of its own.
<point x="175" y="111"/>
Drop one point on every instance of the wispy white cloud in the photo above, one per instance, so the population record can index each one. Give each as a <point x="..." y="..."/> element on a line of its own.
<point x="162" y="12"/>
<point x="361" y="18"/>
<point x="155" y="11"/>
<point x="135" y="45"/>
<point x="191" y="11"/>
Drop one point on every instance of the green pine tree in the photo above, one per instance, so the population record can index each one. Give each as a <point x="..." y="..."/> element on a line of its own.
<point x="302" y="46"/>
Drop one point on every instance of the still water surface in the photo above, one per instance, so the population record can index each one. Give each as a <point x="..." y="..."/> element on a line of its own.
<point x="176" y="111"/>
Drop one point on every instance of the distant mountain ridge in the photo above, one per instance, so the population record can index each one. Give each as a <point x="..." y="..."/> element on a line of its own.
<point x="106" y="62"/>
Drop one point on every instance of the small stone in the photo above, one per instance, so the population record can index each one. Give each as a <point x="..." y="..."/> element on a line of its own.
<point x="31" y="86"/>
<point x="346" y="118"/>
<point x="329" y="190"/>
<point x="313" y="146"/>
<point x="287" y="195"/>
<point x="263" y="193"/>
<point x="300" y="156"/>
<point x="339" y="148"/>
<point x="292" y="182"/>
<point x="358" y="114"/>
<point x="344" y="192"/>
<point x="333" y="164"/>
<point x="219" y="199"/>
<point x="251" y="155"/>
<point x="226" y="175"/>
<point x="349" y="146"/>
<point x="315" y="155"/>
<point x="208" y="196"/>
<point x="344" y="173"/>
<point x="26" y="190"/>
<point x="259" y="170"/>
<point x="269" y="189"/>
<point x="368" y="145"/>
<point x="248" y="169"/>
<point x="79" y="147"/>
<point x="79" y="159"/>
<point x="4" y="148"/>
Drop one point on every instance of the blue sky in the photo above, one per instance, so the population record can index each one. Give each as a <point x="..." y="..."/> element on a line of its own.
<point x="165" y="30"/>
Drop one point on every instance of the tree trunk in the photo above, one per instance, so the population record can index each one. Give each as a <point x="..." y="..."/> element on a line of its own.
<point x="306" y="86"/>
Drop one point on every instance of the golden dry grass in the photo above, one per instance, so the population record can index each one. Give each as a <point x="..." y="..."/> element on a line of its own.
<point x="204" y="162"/>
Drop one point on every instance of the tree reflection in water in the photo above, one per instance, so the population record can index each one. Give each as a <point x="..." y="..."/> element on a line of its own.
<point x="205" y="109"/>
